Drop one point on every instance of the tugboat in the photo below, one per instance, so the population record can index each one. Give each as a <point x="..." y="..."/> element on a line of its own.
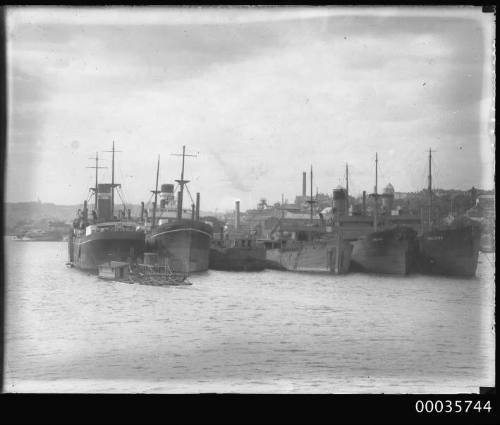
<point x="104" y="238"/>
<point x="180" y="238"/>
<point x="451" y="249"/>
<point x="389" y="250"/>
<point x="236" y="250"/>
<point x="310" y="247"/>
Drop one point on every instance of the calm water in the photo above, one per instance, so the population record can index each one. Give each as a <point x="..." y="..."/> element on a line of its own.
<point x="244" y="332"/>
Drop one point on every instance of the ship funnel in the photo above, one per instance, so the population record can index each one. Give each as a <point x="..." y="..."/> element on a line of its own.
<point x="166" y="195"/>
<point x="388" y="199"/>
<point x="339" y="201"/>
<point x="237" y="221"/>
<point x="304" y="183"/>
<point x="104" y="201"/>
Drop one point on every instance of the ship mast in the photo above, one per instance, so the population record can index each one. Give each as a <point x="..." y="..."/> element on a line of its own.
<point x="311" y="201"/>
<point x="181" y="182"/>
<point x="113" y="151"/>
<point x="375" y="221"/>
<point x="430" y="188"/>
<point x="156" y="194"/>
<point x="346" y="189"/>
<point x="96" y="189"/>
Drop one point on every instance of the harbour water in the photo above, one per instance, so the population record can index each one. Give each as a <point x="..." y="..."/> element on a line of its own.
<point x="264" y="332"/>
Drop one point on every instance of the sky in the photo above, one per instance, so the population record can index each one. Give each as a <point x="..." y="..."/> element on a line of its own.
<point x="258" y="94"/>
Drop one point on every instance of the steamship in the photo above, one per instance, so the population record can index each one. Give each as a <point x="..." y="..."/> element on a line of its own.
<point x="234" y="248"/>
<point x="178" y="236"/>
<point x="308" y="246"/>
<point x="451" y="249"/>
<point x="104" y="237"/>
<point x="390" y="247"/>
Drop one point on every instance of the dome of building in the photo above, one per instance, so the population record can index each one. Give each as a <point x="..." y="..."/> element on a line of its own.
<point x="389" y="189"/>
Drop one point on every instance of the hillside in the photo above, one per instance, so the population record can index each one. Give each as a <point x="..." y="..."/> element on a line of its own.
<point x="31" y="215"/>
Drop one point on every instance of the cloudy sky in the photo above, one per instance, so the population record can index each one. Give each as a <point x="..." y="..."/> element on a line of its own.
<point x="259" y="94"/>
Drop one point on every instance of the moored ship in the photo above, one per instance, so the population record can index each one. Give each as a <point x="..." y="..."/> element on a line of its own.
<point x="235" y="249"/>
<point x="178" y="236"/>
<point x="310" y="250"/>
<point x="105" y="237"/>
<point x="388" y="251"/>
<point x="308" y="247"/>
<point x="390" y="248"/>
<point x="449" y="249"/>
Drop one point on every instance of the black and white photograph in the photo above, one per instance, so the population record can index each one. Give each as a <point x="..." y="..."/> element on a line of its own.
<point x="249" y="200"/>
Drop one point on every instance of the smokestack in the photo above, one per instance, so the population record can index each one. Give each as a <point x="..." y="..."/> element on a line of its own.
<point x="197" y="216"/>
<point x="237" y="216"/>
<point x="128" y="214"/>
<point x="193" y="211"/>
<point x="364" y="202"/>
<point x="304" y="185"/>
<point x="142" y="210"/>
<point x="339" y="201"/>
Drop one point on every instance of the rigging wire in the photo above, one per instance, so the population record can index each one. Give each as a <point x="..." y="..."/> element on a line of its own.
<point x="189" y="193"/>
<point x="121" y="197"/>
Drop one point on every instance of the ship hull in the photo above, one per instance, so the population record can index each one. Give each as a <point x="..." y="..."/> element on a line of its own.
<point x="88" y="252"/>
<point x="390" y="251"/>
<point x="238" y="258"/>
<point x="309" y="256"/>
<point x="451" y="252"/>
<point x="183" y="245"/>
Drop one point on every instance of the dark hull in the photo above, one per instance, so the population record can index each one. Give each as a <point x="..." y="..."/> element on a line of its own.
<point x="183" y="245"/>
<point x="238" y="259"/>
<point x="452" y="251"/>
<point x="390" y="251"/>
<point x="87" y="252"/>
<point x="317" y="256"/>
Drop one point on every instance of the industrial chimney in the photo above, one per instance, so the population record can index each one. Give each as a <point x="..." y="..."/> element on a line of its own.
<point x="237" y="221"/>
<point x="304" y="185"/>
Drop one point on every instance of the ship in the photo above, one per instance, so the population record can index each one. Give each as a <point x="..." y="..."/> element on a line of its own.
<point x="236" y="249"/>
<point x="104" y="238"/>
<point x="178" y="236"/>
<point x="388" y="251"/>
<point x="307" y="246"/>
<point x="390" y="247"/>
<point x="448" y="249"/>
